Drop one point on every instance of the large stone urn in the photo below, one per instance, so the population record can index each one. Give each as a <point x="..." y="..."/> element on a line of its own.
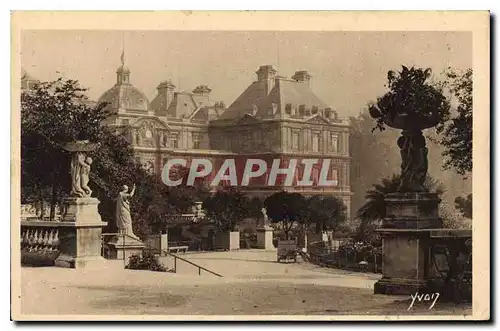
<point x="411" y="213"/>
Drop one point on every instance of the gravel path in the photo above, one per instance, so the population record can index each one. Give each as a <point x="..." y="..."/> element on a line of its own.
<point x="252" y="285"/>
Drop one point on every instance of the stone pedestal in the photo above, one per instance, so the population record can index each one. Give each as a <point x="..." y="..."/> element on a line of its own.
<point x="227" y="240"/>
<point x="80" y="234"/>
<point x="265" y="238"/>
<point x="405" y="238"/>
<point x="81" y="210"/>
<point x="123" y="247"/>
<point x="164" y="241"/>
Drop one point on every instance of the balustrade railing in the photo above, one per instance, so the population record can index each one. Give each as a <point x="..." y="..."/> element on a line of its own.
<point x="39" y="242"/>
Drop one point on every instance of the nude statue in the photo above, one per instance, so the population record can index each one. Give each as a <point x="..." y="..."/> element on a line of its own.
<point x="77" y="163"/>
<point x="85" y="171"/>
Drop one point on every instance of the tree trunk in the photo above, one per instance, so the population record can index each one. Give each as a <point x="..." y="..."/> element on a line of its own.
<point x="40" y="198"/>
<point x="53" y="199"/>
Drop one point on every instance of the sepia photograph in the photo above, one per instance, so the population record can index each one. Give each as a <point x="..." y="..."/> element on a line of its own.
<point x="250" y="166"/>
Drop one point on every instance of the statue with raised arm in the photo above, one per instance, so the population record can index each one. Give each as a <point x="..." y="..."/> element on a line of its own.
<point x="123" y="218"/>
<point x="265" y="219"/>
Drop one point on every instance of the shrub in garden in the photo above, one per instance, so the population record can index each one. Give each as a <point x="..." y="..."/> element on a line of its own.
<point x="147" y="261"/>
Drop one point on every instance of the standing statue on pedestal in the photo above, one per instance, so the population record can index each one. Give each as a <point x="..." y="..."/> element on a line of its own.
<point x="123" y="218"/>
<point x="264" y="216"/>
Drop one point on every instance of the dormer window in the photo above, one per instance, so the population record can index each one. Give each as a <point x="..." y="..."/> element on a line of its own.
<point x="314" y="110"/>
<point x="288" y="108"/>
<point x="302" y="110"/>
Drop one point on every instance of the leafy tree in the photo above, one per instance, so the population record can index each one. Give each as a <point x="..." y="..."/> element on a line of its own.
<point x="372" y="156"/>
<point x="374" y="210"/>
<point x="464" y="205"/>
<point x="326" y="212"/>
<point x="456" y="133"/>
<point x="254" y="209"/>
<point x="54" y="113"/>
<point x="226" y="208"/>
<point x="410" y="93"/>
<point x="287" y="209"/>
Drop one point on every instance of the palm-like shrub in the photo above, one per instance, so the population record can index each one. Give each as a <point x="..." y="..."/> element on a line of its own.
<point x="374" y="210"/>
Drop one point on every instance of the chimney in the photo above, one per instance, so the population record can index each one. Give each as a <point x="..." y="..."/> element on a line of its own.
<point x="202" y="95"/>
<point x="302" y="76"/>
<point x="266" y="76"/>
<point x="166" y="93"/>
<point x="202" y="90"/>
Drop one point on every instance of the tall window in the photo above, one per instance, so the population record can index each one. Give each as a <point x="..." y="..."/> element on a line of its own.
<point x="174" y="140"/>
<point x="196" y="141"/>
<point x="315" y="142"/>
<point x="334" y="146"/>
<point x="295" y="140"/>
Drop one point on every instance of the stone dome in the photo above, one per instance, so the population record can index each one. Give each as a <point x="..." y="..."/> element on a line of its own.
<point x="123" y="94"/>
<point x="126" y="97"/>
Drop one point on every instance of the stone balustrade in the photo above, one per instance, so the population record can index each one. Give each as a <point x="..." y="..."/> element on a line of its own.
<point x="40" y="244"/>
<point x="44" y="239"/>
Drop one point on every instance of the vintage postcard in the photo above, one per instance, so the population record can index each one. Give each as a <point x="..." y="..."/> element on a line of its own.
<point x="250" y="166"/>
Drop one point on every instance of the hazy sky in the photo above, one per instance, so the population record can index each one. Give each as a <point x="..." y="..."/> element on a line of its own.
<point x="348" y="68"/>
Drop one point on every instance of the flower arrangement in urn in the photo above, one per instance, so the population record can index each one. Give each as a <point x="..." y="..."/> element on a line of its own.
<point x="412" y="104"/>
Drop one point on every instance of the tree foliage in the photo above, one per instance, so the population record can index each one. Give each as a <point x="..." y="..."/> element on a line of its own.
<point x="326" y="212"/>
<point x="375" y="207"/>
<point x="226" y="208"/>
<point x="411" y="93"/>
<point x="254" y="208"/>
<point x="372" y="156"/>
<point x="464" y="205"/>
<point x="456" y="133"/>
<point x="286" y="209"/>
<point x="54" y="113"/>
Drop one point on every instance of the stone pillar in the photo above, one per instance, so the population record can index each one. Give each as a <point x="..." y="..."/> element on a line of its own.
<point x="405" y="239"/>
<point x="265" y="238"/>
<point x="164" y="241"/>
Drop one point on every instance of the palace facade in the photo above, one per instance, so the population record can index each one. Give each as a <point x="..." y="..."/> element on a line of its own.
<point x="275" y="117"/>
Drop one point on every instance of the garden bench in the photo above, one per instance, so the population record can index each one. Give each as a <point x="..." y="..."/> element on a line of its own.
<point x="177" y="249"/>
